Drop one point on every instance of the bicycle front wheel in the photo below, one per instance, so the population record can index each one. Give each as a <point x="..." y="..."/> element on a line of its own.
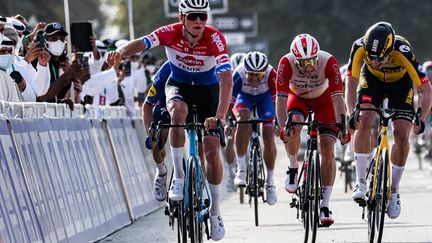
<point x="378" y="205"/>
<point x="314" y="195"/>
<point x="194" y="203"/>
<point x="255" y="187"/>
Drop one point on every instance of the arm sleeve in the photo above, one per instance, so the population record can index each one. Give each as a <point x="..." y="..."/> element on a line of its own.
<point x="157" y="89"/>
<point x="356" y="59"/>
<point x="41" y="80"/>
<point x="236" y="87"/>
<point x="161" y="36"/>
<point x="334" y="77"/>
<point x="272" y="83"/>
<point x="284" y="74"/>
<point x="411" y="64"/>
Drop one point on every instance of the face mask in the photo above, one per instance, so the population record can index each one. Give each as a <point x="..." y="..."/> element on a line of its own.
<point x="56" y="47"/>
<point x="6" y="61"/>
<point x="134" y="65"/>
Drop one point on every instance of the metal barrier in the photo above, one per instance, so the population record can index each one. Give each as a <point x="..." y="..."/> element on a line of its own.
<point x="70" y="176"/>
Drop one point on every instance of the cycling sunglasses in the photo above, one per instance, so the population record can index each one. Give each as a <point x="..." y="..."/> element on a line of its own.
<point x="194" y="16"/>
<point x="310" y="61"/>
<point x="259" y="75"/>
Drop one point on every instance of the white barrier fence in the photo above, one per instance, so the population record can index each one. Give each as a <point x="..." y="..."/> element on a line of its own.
<point x="69" y="176"/>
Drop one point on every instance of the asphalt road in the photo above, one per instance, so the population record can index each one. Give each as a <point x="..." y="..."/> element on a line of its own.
<point x="278" y="223"/>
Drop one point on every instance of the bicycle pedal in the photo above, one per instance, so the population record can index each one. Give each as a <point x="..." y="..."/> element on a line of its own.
<point x="167" y="212"/>
<point x="361" y="202"/>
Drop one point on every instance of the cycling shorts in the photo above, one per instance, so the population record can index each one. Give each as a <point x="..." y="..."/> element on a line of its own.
<point x="322" y="107"/>
<point x="400" y="93"/>
<point x="262" y="102"/>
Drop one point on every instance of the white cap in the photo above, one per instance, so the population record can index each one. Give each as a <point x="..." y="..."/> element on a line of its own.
<point x="16" y="24"/>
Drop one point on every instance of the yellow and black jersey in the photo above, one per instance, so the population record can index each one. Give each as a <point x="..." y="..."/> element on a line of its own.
<point x="402" y="60"/>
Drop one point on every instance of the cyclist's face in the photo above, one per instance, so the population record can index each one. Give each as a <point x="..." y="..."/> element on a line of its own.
<point x="254" y="78"/>
<point x="307" y="66"/>
<point x="378" y="64"/>
<point x="194" y="22"/>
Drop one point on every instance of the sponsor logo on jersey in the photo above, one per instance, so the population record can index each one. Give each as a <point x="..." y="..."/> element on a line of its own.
<point x="404" y="48"/>
<point x="190" y="60"/>
<point x="280" y="74"/>
<point x="218" y="41"/>
<point x="366" y="98"/>
<point x="224" y="59"/>
<point x="409" y="98"/>
<point x="152" y="91"/>
<point x="363" y="83"/>
<point x="336" y="71"/>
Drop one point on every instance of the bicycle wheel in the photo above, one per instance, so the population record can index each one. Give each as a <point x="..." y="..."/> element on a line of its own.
<point x="255" y="182"/>
<point x="194" y="204"/>
<point x="314" y="195"/>
<point x="181" y="223"/>
<point x="377" y="207"/>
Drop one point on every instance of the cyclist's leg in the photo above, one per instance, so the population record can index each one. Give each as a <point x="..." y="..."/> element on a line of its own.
<point x="369" y="95"/>
<point x="242" y="110"/>
<point x="299" y="109"/>
<point x="265" y="111"/>
<point x="159" y="182"/>
<point x="178" y="110"/>
<point x="402" y="124"/>
<point x="324" y="112"/>
<point x="230" y="159"/>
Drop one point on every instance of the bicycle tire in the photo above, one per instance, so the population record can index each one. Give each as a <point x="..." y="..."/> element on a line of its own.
<point x="305" y="199"/>
<point x="194" y="227"/>
<point x="181" y="224"/>
<point x="242" y="194"/>
<point x="255" y="183"/>
<point x="315" y="195"/>
<point x="384" y="195"/>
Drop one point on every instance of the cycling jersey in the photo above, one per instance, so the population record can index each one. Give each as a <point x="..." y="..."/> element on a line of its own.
<point x="156" y="93"/>
<point x="195" y="65"/>
<point x="245" y="97"/>
<point x="402" y="61"/>
<point x="291" y="80"/>
<point x="242" y="84"/>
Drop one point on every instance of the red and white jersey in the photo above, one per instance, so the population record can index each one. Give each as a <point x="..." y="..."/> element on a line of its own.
<point x="291" y="80"/>
<point x="198" y="64"/>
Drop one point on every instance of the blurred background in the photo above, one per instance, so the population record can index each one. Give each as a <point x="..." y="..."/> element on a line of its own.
<point x="268" y="25"/>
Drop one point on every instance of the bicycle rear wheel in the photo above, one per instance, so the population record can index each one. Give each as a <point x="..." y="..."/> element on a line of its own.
<point x="194" y="203"/>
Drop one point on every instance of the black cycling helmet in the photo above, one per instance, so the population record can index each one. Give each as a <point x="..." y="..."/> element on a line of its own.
<point x="379" y="40"/>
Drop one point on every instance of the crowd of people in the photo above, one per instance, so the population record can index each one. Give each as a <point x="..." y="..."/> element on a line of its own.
<point x="35" y="67"/>
<point x="199" y="71"/>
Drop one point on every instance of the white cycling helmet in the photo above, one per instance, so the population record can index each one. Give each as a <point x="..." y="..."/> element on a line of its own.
<point x="187" y="6"/>
<point x="237" y="58"/>
<point x="256" y="61"/>
<point x="304" y="46"/>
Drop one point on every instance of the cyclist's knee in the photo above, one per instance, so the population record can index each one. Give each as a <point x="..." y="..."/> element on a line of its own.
<point x="401" y="137"/>
<point x="178" y="111"/>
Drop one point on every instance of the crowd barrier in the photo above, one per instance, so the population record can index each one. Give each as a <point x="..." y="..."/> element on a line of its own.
<point x="71" y="176"/>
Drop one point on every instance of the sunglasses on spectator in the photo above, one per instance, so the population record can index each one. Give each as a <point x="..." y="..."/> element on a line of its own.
<point x="194" y="16"/>
<point x="304" y="62"/>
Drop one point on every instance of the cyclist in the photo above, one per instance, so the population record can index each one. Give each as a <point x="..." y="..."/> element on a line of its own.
<point x="427" y="68"/>
<point x="254" y="86"/>
<point x="229" y="150"/>
<point x="154" y="110"/>
<point x="201" y="75"/>
<point x="390" y="71"/>
<point x="309" y="78"/>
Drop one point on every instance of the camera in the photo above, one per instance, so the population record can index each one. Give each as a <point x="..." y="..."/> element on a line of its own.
<point x="126" y="67"/>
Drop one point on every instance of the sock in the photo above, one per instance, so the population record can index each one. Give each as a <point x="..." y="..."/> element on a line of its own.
<point x="397" y="172"/>
<point x="241" y="162"/>
<point x="269" y="179"/>
<point x="161" y="168"/>
<point x="232" y="169"/>
<point x="361" y="167"/>
<point x="326" y="193"/>
<point x="177" y="157"/>
<point x="293" y="163"/>
<point x="215" y="191"/>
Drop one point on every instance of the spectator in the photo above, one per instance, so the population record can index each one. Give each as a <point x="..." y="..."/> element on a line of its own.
<point x="8" y="89"/>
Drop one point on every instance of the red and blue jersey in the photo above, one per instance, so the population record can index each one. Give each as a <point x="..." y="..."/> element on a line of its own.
<point x="199" y="64"/>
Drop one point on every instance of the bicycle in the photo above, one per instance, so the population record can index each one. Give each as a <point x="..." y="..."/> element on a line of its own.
<point x="378" y="174"/>
<point x="192" y="213"/>
<point x="307" y="197"/>
<point x="255" y="175"/>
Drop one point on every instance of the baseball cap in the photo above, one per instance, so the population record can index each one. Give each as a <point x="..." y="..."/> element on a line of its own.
<point x="54" y="27"/>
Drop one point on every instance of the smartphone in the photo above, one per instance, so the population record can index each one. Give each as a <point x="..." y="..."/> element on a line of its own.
<point x="80" y="36"/>
<point x="126" y="67"/>
<point x="41" y="40"/>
